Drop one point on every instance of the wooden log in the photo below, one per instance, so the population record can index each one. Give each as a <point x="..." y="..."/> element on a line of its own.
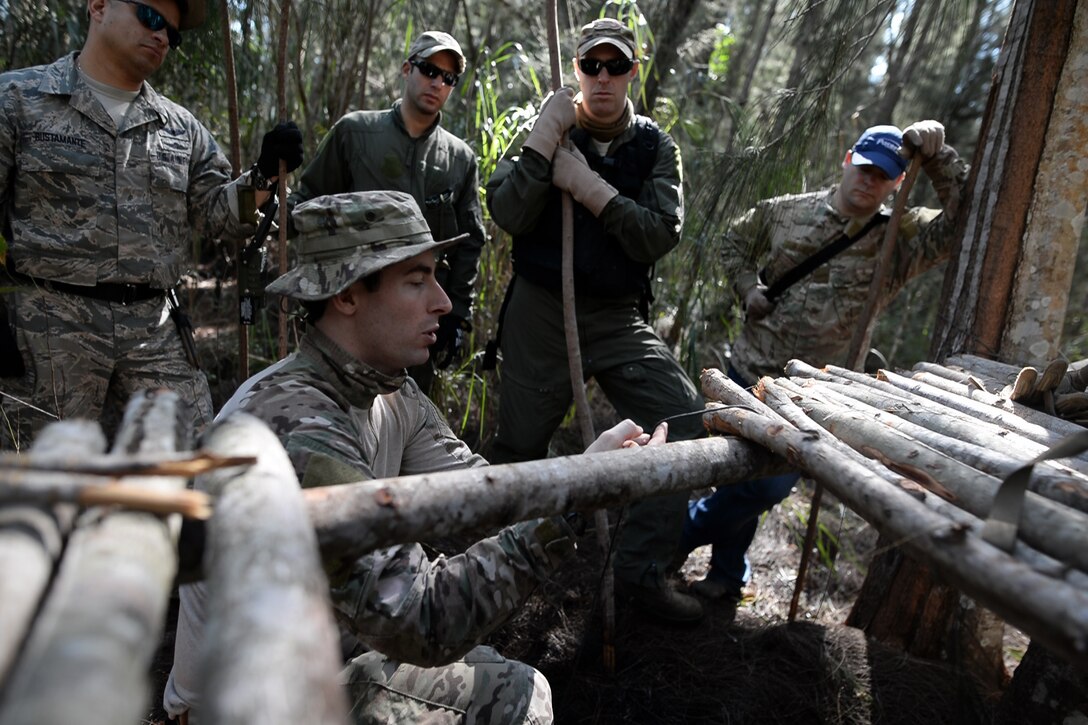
<point x="271" y="650"/>
<point x="1049" y="610"/>
<point x="87" y="657"/>
<point x="936" y="417"/>
<point x="799" y="395"/>
<point x="1050" y="527"/>
<point x="1052" y="480"/>
<point x="1003" y="372"/>
<point x="956" y="376"/>
<point x="1039" y="432"/>
<point x="355" y="518"/>
<point x="31" y="539"/>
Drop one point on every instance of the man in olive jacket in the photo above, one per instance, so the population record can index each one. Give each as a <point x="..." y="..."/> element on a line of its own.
<point x="404" y="148"/>
<point x="625" y="178"/>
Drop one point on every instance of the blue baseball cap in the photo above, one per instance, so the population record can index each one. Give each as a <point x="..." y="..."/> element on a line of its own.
<point x="879" y="146"/>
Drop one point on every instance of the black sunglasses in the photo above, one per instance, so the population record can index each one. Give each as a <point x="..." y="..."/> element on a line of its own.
<point x="153" y="20"/>
<point x="615" y="67"/>
<point x="432" y="71"/>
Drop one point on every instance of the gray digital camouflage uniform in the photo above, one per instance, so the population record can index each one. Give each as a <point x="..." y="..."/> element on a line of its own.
<point x="814" y="320"/>
<point x="87" y="203"/>
<point x="340" y="420"/>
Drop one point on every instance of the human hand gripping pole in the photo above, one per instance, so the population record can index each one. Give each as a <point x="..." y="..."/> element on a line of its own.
<point x="557" y="116"/>
<point x="284" y="141"/>
<point x="571" y="173"/>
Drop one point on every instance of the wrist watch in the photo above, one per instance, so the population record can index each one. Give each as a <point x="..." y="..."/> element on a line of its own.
<point x="259" y="181"/>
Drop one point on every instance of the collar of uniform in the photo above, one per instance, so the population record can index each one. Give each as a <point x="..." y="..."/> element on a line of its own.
<point x="398" y="121"/>
<point x="62" y="78"/>
<point x="356" y="381"/>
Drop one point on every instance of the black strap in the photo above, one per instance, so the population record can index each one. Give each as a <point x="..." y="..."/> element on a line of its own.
<point x="820" y="257"/>
<point x="491" y="351"/>
<point x="117" y="292"/>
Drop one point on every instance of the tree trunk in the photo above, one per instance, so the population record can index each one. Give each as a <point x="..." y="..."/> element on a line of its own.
<point x="668" y="38"/>
<point x="1011" y="194"/>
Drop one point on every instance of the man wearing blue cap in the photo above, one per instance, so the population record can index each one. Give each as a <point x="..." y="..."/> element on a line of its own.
<point x="814" y="317"/>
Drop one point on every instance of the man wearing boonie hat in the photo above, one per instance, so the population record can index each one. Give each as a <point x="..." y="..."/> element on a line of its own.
<point x="814" y="318"/>
<point x="103" y="183"/>
<point x="405" y="148"/>
<point x="345" y="410"/>
<point x="624" y="175"/>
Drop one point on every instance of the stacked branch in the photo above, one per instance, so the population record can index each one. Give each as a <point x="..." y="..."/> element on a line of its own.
<point x="909" y="494"/>
<point x="89" y="648"/>
<point x="271" y="648"/>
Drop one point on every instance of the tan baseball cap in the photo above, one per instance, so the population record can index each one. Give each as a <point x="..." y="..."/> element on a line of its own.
<point x="435" y="41"/>
<point x="607" y="30"/>
<point x="345" y="237"/>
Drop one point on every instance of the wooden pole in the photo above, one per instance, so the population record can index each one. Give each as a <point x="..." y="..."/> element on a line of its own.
<point x="1051" y="611"/>
<point x="32" y="538"/>
<point x="87" y="657"/>
<point x="355" y="518"/>
<point x="272" y="650"/>
<point x="281" y="189"/>
<point x="574" y="360"/>
<point x="236" y="166"/>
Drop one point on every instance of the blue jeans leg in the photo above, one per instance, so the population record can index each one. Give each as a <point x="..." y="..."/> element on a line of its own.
<point x="728" y="518"/>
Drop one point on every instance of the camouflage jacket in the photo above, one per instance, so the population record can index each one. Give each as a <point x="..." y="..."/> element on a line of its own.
<point x="371" y="150"/>
<point x="82" y="201"/>
<point x="815" y="318"/>
<point x="341" y="420"/>
<point x="647" y="228"/>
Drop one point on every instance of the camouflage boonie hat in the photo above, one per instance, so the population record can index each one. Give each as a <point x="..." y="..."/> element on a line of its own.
<point x="345" y="237"/>
<point x="435" y="41"/>
<point x="607" y="30"/>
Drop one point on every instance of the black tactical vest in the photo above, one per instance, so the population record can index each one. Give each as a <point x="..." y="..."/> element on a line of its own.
<point x="601" y="267"/>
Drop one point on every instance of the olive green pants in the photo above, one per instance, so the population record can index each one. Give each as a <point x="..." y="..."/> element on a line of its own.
<point x="638" y="374"/>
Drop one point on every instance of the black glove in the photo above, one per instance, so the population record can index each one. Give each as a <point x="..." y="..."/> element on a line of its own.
<point x="282" y="142"/>
<point x="450" y="339"/>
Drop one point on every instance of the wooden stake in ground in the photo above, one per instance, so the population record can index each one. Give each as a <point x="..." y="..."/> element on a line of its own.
<point x="281" y="187"/>
<point x="574" y="359"/>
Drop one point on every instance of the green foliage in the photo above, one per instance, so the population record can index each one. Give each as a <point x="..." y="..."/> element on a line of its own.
<point x="718" y="65"/>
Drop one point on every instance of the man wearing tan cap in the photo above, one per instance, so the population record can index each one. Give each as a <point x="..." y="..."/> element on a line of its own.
<point x="625" y="177"/>
<point x="345" y="411"/>
<point x="406" y="149"/>
<point x="103" y="183"/>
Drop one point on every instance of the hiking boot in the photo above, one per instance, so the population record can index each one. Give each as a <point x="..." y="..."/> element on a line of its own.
<point x="662" y="602"/>
<point x="714" y="588"/>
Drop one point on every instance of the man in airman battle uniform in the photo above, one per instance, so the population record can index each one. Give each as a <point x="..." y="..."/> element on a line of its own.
<point x="405" y="148"/>
<point x="102" y="184"/>
<point x="345" y="410"/>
